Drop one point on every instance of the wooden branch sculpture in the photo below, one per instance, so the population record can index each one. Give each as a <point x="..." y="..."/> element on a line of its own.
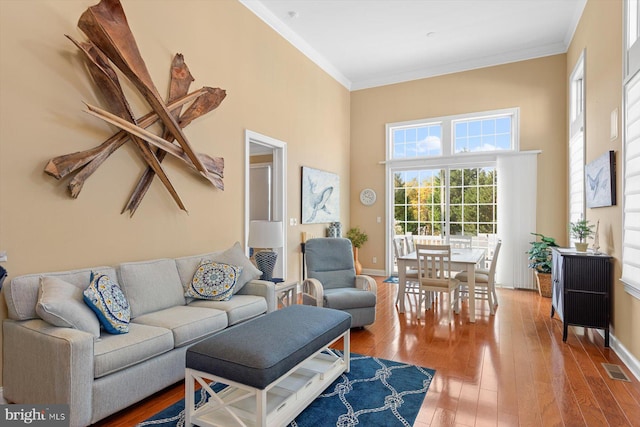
<point x="111" y="42"/>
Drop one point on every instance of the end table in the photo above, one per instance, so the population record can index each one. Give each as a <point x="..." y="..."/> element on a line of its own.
<point x="287" y="293"/>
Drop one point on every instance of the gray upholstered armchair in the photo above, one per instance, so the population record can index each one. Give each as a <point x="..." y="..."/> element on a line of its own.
<point x="332" y="281"/>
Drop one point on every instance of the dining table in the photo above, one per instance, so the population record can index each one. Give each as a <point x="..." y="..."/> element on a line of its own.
<point x="462" y="259"/>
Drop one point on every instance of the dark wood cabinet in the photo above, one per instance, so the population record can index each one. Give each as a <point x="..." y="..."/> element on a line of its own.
<point x="582" y="290"/>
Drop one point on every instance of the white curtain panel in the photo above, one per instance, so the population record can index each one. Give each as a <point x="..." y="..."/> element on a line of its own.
<point x="517" y="178"/>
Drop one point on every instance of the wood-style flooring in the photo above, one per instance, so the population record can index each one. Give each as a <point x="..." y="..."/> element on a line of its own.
<point x="511" y="369"/>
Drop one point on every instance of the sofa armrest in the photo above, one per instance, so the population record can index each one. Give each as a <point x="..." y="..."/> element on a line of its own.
<point x="312" y="292"/>
<point x="367" y="283"/>
<point x="261" y="288"/>
<point x="45" y="364"/>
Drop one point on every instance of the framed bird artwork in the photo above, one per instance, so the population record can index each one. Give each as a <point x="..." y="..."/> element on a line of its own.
<point x="600" y="185"/>
<point x="320" y="196"/>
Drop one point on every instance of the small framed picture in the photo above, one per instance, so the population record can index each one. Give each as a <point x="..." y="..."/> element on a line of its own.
<point x="600" y="185"/>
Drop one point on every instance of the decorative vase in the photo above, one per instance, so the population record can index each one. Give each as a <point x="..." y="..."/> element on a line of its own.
<point x="334" y="230"/>
<point x="581" y="247"/>
<point x="544" y="284"/>
<point x="356" y="262"/>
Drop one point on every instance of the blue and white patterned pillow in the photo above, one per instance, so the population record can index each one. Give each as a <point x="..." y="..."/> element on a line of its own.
<point x="106" y="299"/>
<point x="213" y="281"/>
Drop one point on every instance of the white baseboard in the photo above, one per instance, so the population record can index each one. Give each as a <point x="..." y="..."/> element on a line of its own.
<point x="2" y="396"/>
<point x="372" y="272"/>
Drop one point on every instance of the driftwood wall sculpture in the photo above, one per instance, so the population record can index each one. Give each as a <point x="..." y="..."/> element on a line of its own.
<point x="111" y="42"/>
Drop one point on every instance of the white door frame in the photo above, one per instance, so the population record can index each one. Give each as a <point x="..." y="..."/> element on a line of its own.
<point x="279" y="191"/>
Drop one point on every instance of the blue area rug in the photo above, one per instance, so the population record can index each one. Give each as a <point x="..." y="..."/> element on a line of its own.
<point x="377" y="392"/>
<point x="391" y="279"/>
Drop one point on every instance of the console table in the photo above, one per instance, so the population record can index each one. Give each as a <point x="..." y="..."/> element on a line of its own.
<point x="581" y="289"/>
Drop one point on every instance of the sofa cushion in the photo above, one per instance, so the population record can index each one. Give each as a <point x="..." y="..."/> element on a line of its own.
<point x="151" y="285"/>
<point x="21" y="293"/>
<point x="105" y="298"/>
<point x="213" y="281"/>
<point x="480" y="277"/>
<point x="188" y="324"/>
<point x="113" y="353"/>
<point x="60" y="304"/>
<point x="239" y="308"/>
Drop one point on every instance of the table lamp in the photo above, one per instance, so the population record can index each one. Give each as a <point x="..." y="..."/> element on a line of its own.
<point x="265" y="235"/>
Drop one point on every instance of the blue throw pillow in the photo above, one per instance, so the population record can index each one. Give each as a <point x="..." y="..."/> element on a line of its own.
<point x="214" y="281"/>
<point x="106" y="299"/>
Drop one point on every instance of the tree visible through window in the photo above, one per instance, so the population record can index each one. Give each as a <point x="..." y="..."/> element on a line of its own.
<point x="420" y="201"/>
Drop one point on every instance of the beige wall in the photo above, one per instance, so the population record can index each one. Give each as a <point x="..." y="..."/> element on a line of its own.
<point x="271" y="89"/>
<point x="599" y="35"/>
<point x="537" y="86"/>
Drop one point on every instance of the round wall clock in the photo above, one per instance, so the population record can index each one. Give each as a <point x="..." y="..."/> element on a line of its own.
<point x="367" y="197"/>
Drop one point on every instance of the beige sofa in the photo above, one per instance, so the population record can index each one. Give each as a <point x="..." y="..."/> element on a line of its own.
<point x="98" y="376"/>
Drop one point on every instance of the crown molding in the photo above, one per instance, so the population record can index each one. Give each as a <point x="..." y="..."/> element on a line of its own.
<point x="457" y="67"/>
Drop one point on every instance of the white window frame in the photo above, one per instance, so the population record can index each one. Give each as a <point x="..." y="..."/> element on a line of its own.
<point x="577" y="90"/>
<point x="446" y="161"/>
<point x="447" y="123"/>
<point x="631" y="151"/>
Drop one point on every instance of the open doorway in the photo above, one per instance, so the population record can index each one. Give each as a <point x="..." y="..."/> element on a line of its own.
<point x="265" y="187"/>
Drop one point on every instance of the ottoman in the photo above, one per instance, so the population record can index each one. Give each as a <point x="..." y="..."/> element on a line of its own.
<point x="274" y="366"/>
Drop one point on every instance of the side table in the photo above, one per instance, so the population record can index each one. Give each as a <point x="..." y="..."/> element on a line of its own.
<point x="287" y="293"/>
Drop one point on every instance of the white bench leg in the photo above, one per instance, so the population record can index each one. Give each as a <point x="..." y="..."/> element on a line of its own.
<point x="189" y="403"/>
<point x="261" y="408"/>
<point x="347" y="350"/>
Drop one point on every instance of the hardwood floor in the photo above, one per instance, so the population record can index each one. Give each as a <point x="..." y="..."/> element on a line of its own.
<point x="511" y="369"/>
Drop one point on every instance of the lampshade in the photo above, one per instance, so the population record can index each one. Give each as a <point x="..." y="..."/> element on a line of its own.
<point x="265" y="234"/>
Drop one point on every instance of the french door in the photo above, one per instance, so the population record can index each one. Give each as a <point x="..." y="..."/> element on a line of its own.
<point x="442" y="201"/>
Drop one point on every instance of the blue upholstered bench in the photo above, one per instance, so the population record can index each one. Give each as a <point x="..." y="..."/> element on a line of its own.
<point x="274" y="366"/>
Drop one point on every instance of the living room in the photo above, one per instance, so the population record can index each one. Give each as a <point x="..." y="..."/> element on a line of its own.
<point x="275" y="90"/>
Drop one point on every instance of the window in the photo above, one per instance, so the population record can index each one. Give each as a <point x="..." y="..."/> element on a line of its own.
<point x="631" y="154"/>
<point x="454" y="135"/>
<point x="418" y="203"/>
<point x="487" y="134"/>
<point x="442" y="178"/>
<point x="417" y="141"/>
<point x="576" y="143"/>
<point x="473" y="202"/>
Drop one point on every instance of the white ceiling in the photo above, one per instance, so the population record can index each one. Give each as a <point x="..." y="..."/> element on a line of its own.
<point x="368" y="43"/>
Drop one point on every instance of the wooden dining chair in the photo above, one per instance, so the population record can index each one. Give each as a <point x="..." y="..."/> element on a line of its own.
<point x="411" y="275"/>
<point x="410" y="243"/>
<point x="434" y="274"/>
<point x="485" y="283"/>
<point x="460" y="241"/>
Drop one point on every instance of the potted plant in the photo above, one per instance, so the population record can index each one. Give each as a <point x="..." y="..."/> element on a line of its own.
<point x="581" y="230"/>
<point x="357" y="237"/>
<point x="540" y="262"/>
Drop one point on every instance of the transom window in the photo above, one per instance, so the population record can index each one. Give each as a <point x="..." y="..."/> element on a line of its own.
<point x="488" y="134"/>
<point x="454" y="135"/>
<point x="417" y="141"/>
